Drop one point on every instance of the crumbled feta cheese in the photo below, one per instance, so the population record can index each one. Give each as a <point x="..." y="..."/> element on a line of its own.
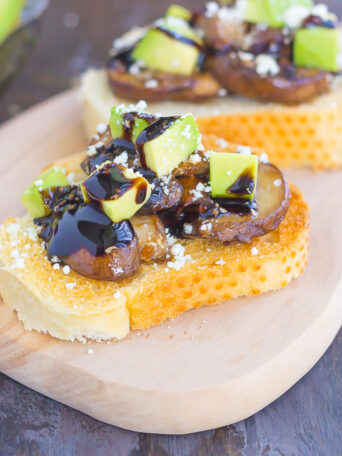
<point x="211" y="9"/>
<point x="15" y="253"/>
<point x="277" y="182"/>
<point x="254" y="251"/>
<point x="151" y="84"/>
<point x="13" y="229"/>
<point x="122" y="159"/>
<point x="66" y="269"/>
<point x="54" y="259"/>
<point x="266" y="65"/>
<point x="70" y="285"/>
<point x="323" y="12"/>
<point x="222" y="143"/>
<point x="141" y="105"/>
<point x="90" y="351"/>
<point x="207" y="226"/>
<point x="187" y="228"/>
<point x="91" y="151"/>
<point x="244" y="150"/>
<point x="220" y="262"/>
<point x="56" y="266"/>
<point x="263" y="158"/>
<point x="39" y="182"/>
<point x="117" y="294"/>
<point x="246" y="56"/>
<point x="294" y="16"/>
<point x="137" y="67"/>
<point x="179" y="257"/>
<point x="170" y="240"/>
<point x="101" y="128"/>
<point x="195" y="158"/>
<point x="71" y="178"/>
<point x="19" y="263"/>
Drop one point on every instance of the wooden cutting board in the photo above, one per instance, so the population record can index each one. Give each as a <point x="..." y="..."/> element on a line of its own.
<point x="211" y="367"/>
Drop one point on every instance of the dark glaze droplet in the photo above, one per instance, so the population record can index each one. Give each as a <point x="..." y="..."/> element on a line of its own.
<point x="90" y="229"/>
<point x="108" y="183"/>
<point x="152" y="132"/>
<point x="244" y="184"/>
<point x="236" y="205"/>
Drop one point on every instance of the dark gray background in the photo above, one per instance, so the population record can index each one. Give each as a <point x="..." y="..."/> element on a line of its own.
<point x="307" y="420"/>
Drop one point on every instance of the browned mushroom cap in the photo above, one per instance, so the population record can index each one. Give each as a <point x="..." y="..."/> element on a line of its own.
<point x="166" y="193"/>
<point x="152" y="237"/>
<point x="293" y="85"/>
<point x="195" y="193"/>
<point x="219" y="33"/>
<point x="196" y="165"/>
<point x="197" y="87"/>
<point x="272" y="198"/>
<point x="95" y="247"/>
<point x="269" y="41"/>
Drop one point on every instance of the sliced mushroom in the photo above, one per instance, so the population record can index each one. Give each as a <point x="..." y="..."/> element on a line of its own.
<point x="272" y="201"/>
<point x="274" y="41"/>
<point x="292" y="85"/>
<point x="92" y="245"/>
<point x="166" y="193"/>
<point x="197" y="87"/>
<point x="152" y="237"/>
<point x="196" y="165"/>
<point x="219" y="33"/>
<point x="195" y="193"/>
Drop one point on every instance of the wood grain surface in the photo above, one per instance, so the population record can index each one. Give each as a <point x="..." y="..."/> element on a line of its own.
<point x="305" y="421"/>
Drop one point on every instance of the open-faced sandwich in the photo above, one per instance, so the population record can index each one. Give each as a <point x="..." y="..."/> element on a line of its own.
<point x="263" y="73"/>
<point x="160" y="221"/>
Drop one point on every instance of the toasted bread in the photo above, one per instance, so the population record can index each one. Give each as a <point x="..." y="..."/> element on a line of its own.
<point x="70" y="306"/>
<point x="307" y="135"/>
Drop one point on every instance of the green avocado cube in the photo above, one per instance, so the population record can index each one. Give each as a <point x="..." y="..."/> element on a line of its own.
<point x="32" y="199"/>
<point x="169" y="53"/>
<point x="116" y="124"/>
<point x="271" y="12"/>
<point x="164" y="153"/>
<point x="129" y="191"/>
<point x="317" y="47"/>
<point x="233" y="175"/>
<point x="178" y="11"/>
<point x="10" y="11"/>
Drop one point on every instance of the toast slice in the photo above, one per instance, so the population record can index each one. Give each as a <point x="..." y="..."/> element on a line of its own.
<point x="69" y="306"/>
<point x="307" y="135"/>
